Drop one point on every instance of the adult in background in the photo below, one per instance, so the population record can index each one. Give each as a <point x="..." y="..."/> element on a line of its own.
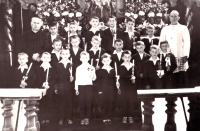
<point x="35" y="41"/>
<point x="179" y="43"/>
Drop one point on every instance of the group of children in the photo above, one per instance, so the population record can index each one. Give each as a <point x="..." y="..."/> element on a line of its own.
<point x="106" y="67"/>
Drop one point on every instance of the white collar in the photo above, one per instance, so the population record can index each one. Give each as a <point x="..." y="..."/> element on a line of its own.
<point x="53" y="51"/>
<point x="92" y="49"/>
<point x="129" y="32"/>
<point x="108" y="68"/>
<point x="151" y="37"/>
<point x="54" y="35"/>
<point x="115" y="52"/>
<point x="23" y="67"/>
<point x="127" y="66"/>
<point x="71" y="34"/>
<point x="45" y="66"/>
<point x="154" y="61"/>
<point x="175" y="24"/>
<point x="94" y="30"/>
<point x="113" y="29"/>
<point x="64" y="62"/>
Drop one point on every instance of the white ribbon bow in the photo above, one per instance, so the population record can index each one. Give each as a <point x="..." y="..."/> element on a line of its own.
<point x="168" y="62"/>
<point x="160" y="73"/>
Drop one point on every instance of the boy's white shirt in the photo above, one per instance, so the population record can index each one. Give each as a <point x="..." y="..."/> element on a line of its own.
<point x="154" y="61"/>
<point x="108" y="68"/>
<point x="95" y="51"/>
<point x="72" y="34"/>
<point x="150" y="39"/>
<point x="64" y="62"/>
<point x="130" y="34"/>
<point x="141" y="55"/>
<point x="94" y="30"/>
<point x="75" y="50"/>
<point x="113" y="29"/>
<point x="82" y="75"/>
<point x="23" y="67"/>
<point x="45" y="66"/>
<point x="128" y="67"/>
<point x="119" y="54"/>
<point x="53" y="37"/>
<point x="57" y="54"/>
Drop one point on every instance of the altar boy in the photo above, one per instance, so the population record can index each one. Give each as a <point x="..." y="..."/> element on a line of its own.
<point x="21" y="77"/>
<point x="45" y="78"/>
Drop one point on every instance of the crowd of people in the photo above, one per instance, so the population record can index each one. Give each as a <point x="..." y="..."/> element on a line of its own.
<point x="103" y="66"/>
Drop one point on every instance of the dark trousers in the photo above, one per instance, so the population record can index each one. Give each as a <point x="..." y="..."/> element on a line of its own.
<point x="85" y="101"/>
<point x="65" y="106"/>
<point x="180" y="80"/>
<point x="127" y="102"/>
<point x="106" y="101"/>
<point x="167" y="82"/>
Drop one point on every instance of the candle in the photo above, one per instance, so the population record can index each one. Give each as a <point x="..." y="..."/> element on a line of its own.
<point x="114" y="37"/>
<point x="22" y="19"/>
<point x="152" y="42"/>
<point x="92" y="62"/>
<point x="47" y="75"/>
<point x="29" y="68"/>
<point x="71" y="67"/>
<point x="115" y="68"/>
<point x="99" y="57"/>
<point x="160" y="58"/>
<point x="133" y="62"/>
<point x="85" y="47"/>
<point x="68" y="36"/>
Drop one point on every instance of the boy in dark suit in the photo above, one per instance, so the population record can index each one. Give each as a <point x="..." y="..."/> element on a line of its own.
<point x="106" y="88"/>
<point x="116" y="56"/>
<point x="150" y="39"/>
<point x="55" y="53"/>
<point x="22" y="78"/>
<point x="127" y="86"/>
<point x="153" y="70"/>
<point x="139" y="60"/>
<point x="45" y="78"/>
<point x="94" y="30"/>
<point x="65" y="87"/>
<point x="169" y="62"/>
<point x="130" y="36"/>
<point x="110" y="34"/>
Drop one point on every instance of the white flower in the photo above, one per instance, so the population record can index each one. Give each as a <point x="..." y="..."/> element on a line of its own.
<point x="78" y="14"/>
<point x="39" y="9"/>
<point x="46" y="14"/>
<point x="141" y="13"/>
<point x="71" y="15"/>
<point x="135" y="16"/>
<point x="79" y="28"/>
<point x="54" y="12"/>
<point x="65" y="13"/>
<point x="39" y="4"/>
<point x="151" y="14"/>
<point x="57" y="14"/>
<point x="159" y="14"/>
<point x="127" y="14"/>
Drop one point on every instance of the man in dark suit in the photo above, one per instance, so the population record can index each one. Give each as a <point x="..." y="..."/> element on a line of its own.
<point x="130" y="36"/>
<point x="110" y="34"/>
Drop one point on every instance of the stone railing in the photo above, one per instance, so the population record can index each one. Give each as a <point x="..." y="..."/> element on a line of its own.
<point x="170" y="95"/>
<point x="10" y="97"/>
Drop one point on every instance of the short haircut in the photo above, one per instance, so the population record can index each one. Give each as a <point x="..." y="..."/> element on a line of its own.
<point x="94" y="17"/>
<point x="85" y="53"/>
<point x="139" y="43"/>
<point x="174" y="12"/>
<point x="36" y="17"/>
<point x="46" y="53"/>
<point x="53" y="24"/>
<point x="75" y="37"/>
<point x="154" y="47"/>
<point x="130" y="20"/>
<point x="106" y="55"/>
<point x="57" y="40"/>
<point x="126" y="52"/>
<point x="63" y="50"/>
<point x="96" y="38"/>
<point x="32" y="4"/>
<point x="166" y="1"/>
<point x="150" y="27"/>
<point x="164" y="42"/>
<point x="119" y="40"/>
<point x="113" y="17"/>
<point x="22" y="54"/>
<point x="72" y="23"/>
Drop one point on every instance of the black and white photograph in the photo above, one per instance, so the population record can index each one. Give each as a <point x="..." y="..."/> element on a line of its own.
<point x="99" y="65"/>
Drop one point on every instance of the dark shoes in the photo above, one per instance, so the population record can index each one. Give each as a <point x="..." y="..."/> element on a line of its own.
<point x="85" y="121"/>
<point x="107" y="122"/>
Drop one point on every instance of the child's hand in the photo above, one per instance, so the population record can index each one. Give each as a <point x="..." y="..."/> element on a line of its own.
<point x="117" y="77"/>
<point x="45" y="85"/>
<point x="118" y="85"/>
<point x="35" y="56"/>
<point x="141" y="75"/>
<point x="133" y="81"/>
<point x="38" y="59"/>
<point x="23" y="84"/>
<point x="97" y="67"/>
<point x="77" y="92"/>
<point x="44" y="92"/>
<point x="71" y="78"/>
<point x="119" y="91"/>
<point x="147" y="87"/>
<point x="100" y="92"/>
<point x="56" y="91"/>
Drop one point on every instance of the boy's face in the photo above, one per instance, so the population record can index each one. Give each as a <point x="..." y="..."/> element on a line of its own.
<point x="95" y="44"/>
<point x="72" y="28"/>
<point x="106" y="61"/>
<point x="112" y="22"/>
<point x="150" y="32"/>
<point x="94" y="22"/>
<point x="153" y="52"/>
<point x="84" y="58"/>
<point x="22" y="60"/>
<point x="164" y="47"/>
<point x="127" y="57"/>
<point x="65" y="54"/>
<point x="118" y="46"/>
<point x="75" y="43"/>
<point x="130" y="25"/>
<point x="46" y="58"/>
<point x="140" y="49"/>
<point x="53" y="30"/>
<point x="57" y="46"/>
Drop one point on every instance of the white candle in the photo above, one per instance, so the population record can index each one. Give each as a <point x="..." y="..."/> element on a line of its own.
<point x="29" y="68"/>
<point x="47" y="75"/>
<point x="115" y="68"/>
<point x="152" y="42"/>
<point x="85" y="47"/>
<point x="92" y="62"/>
<point x="71" y="67"/>
<point x="68" y="36"/>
